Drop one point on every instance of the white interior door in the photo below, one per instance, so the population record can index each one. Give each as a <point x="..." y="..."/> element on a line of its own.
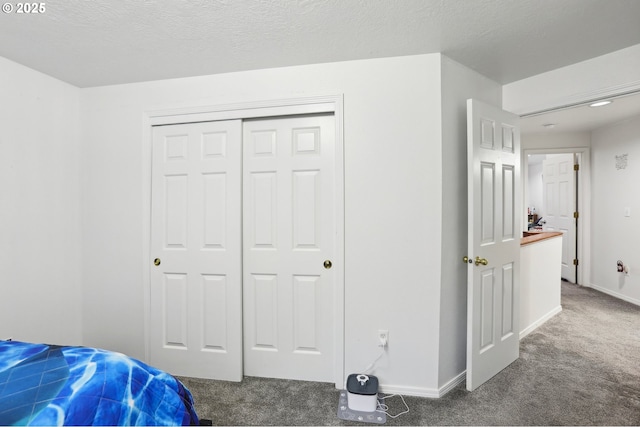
<point x="289" y="233"/>
<point x="559" y="195"/>
<point x="195" y="290"/>
<point x="494" y="241"/>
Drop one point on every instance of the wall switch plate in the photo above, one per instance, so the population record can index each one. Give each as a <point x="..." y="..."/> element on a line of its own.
<point x="627" y="211"/>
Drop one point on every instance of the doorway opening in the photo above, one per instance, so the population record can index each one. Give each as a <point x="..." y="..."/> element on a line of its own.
<point x="554" y="203"/>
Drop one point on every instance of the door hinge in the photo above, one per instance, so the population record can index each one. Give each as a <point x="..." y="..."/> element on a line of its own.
<point x="575" y="262"/>
<point x="576" y="215"/>
<point x="576" y="167"/>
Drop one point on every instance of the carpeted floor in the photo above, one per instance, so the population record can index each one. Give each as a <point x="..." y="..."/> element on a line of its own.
<point x="582" y="367"/>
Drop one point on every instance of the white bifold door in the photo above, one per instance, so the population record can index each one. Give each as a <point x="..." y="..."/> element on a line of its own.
<point x="242" y="248"/>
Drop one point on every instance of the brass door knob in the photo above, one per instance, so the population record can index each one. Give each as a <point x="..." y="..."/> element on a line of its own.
<point x="482" y="261"/>
<point x="156" y="262"/>
<point x="327" y="264"/>
<point x="466" y="260"/>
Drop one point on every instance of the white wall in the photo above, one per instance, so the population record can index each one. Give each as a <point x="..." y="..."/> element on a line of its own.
<point x="40" y="254"/>
<point x="534" y="189"/>
<point x="458" y="84"/>
<point x="555" y="140"/>
<point x="392" y="200"/>
<point x="540" y="268"/>
<point x="615" y="236"/>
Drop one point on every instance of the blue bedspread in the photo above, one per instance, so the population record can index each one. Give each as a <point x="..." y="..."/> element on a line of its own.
<point x="52" y="385"/>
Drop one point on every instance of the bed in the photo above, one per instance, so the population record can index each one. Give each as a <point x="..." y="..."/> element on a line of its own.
<point x="44" y="384"/>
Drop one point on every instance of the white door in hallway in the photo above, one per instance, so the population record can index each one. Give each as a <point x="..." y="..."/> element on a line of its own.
<point x="493" y="149"/>
<point x="195" y="290"/>
<point x="289" y="243"/>
<point x="559" y="195"/>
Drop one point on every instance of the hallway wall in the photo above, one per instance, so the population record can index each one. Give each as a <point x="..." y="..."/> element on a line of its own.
<point x="615" y="188"/>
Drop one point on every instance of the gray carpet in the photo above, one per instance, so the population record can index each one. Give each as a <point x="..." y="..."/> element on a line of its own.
<point x="580" y="368"/>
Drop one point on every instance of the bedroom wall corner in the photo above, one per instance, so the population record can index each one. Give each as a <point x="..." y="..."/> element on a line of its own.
<point x="40" y="252"/>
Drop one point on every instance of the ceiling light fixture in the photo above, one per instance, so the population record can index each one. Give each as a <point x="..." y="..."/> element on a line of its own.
<point x="600" y="103"/>
<point x="549" y="125"/>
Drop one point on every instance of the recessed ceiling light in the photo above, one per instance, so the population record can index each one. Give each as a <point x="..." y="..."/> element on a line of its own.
<point x="600" y="103"/>
<point x="549" y="125"/>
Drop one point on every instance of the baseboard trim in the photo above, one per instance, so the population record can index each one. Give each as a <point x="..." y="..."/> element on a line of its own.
<point x="409" y="391"/>
<point x="613" y="294"/>
<point x="462" y="376"/>
<point x="537" y="323"/>
<point x="423" y="391"/>
<point x="453" y="383"/>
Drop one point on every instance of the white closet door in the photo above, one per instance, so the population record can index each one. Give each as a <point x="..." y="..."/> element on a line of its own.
<point x="289" y="245"/>
<point x="196" y="288"/>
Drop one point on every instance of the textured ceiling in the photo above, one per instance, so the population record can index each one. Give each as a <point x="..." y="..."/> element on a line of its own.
<point x="101" y="42"/>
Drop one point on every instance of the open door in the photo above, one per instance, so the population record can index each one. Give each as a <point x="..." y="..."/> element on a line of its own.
<point x="493" y="139"/>
<point x="559" y="195"/>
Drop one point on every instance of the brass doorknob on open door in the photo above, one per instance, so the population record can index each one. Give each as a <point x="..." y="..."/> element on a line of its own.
<point x="482" y="261"/>
<point x="156" y="262"/>
<point x="466" y="260"/>
<point x="327" y="264"/>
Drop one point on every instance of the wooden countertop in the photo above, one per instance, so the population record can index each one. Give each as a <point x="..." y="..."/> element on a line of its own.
<point x="536" y="236"/>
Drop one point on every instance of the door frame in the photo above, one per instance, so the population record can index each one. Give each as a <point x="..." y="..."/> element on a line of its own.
<point x="257" y="109"/>
<point x="584" y="202"/>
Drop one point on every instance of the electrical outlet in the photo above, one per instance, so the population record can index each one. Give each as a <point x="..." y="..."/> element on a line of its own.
<point x="383" y="337"/>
